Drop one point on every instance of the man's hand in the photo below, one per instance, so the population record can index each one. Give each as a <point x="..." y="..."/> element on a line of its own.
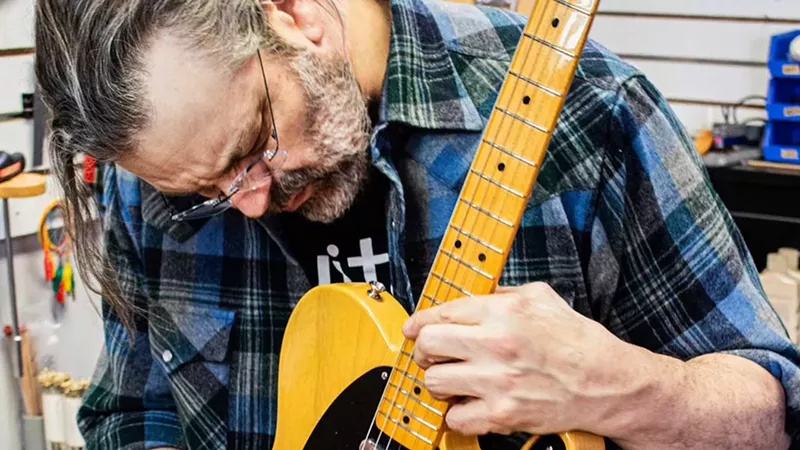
<point x="520" y="360"/>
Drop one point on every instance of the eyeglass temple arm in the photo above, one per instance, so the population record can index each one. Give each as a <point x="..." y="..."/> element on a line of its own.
<point x="269" y="101"/>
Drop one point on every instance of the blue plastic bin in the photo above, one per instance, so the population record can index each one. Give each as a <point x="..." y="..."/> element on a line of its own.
<point x="782" y="142"/>
<point x="783" y="99"/>
<point x="779" y="63"/>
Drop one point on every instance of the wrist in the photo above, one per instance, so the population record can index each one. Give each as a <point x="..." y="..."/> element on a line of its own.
<point x="646" y="407"/>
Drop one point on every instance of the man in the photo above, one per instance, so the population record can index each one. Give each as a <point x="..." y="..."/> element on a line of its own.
<point x="261" y="149"/>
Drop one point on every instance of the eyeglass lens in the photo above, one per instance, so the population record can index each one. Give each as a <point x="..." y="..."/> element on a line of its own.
<point x="259" y="172"/>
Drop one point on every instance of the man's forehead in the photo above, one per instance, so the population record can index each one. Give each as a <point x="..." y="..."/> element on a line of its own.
<point x="198" y="111"/>
<point x="179" y="82"/>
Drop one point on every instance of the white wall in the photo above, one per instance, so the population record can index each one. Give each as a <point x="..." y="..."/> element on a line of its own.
<point x="76" y="335"/>
<point x="698" y="52"/>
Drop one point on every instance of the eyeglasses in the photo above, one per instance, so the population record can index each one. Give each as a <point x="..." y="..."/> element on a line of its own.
<point x="256" y="175"/>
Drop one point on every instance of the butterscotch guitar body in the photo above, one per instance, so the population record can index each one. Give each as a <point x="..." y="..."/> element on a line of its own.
<point x="339" y="348"/>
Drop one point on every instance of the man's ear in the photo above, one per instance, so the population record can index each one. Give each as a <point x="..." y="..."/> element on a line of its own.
<point x="300" y="22"/>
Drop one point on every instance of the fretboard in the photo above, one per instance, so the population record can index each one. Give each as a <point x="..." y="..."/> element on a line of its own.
<point x="484" y="223"/>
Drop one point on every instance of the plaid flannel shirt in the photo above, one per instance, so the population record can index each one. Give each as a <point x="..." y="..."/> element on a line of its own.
<point x="623" y="223"/>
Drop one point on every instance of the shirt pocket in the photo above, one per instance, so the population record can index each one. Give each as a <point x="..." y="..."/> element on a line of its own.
<point x="186" y="333"/>
<point x="191" y="343"/>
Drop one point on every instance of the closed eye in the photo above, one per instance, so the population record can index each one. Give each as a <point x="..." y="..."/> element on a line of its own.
<point x="265" y="133"/>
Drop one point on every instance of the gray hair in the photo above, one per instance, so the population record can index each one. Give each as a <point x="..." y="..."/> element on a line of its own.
<point x="89" y="69"/>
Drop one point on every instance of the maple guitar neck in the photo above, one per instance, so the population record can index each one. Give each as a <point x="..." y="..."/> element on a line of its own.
<point x="486" y="218"/>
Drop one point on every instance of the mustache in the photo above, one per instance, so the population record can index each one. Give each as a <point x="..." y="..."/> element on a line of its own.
<point x="290" y="183"/>
<point x="349" y="171"/>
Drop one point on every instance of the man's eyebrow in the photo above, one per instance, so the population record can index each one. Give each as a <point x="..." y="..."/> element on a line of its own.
<point x="240" y="152"/>
<point x="237" y="154"/>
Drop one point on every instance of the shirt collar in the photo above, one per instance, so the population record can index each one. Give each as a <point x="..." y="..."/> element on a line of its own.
<point x="422" y="87"/>
<point x="157" y="210"/>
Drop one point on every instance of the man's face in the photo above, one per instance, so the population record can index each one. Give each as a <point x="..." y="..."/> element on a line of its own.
<point x="207" y="124"/>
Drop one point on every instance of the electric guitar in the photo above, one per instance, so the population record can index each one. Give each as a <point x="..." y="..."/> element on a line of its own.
<point x="346" y="373"/>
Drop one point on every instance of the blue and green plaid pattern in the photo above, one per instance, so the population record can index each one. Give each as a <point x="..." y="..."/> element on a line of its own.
<point x="623" y="223"/>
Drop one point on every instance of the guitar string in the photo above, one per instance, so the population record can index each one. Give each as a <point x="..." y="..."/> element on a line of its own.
<point x="549" y="10"/>
<point x="393" y="403"/>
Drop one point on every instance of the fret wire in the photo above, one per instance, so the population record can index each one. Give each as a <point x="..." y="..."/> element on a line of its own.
<point x="467" y="265"/>
<point x="420" y="402"/>
<point x="452" y="284"/>
<point x="431" y="299"/>
<point x="478" y="240"/>
<point x="412" y="378"/>
<point x="405" y="353"/>
<point x="498" y="184"/>
<point x="575" y="7"/>
<point x="487" y="213"/>
<point x="522" y="119"/>
<point x="397" y="422"/>
<point x="551" y="45"/>
<point x="413" y="416"/>
<point x="542" y="87"/>
<point x="510" y="153"/>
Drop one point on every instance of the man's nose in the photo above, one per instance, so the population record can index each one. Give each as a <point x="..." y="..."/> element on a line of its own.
<point x="252" y="203"/>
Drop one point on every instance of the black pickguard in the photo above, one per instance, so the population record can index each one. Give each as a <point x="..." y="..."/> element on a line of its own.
<point x="345" y="424"/>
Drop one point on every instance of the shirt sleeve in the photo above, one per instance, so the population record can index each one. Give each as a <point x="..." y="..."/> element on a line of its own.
<point x="128" y="404"/>
<point x="669" y="270"/>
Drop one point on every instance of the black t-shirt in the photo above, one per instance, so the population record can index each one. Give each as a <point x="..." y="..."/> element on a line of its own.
<point x="352" y="248"/>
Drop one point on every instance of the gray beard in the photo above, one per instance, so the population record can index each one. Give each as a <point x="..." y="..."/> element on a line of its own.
<point x="339" y="126"/>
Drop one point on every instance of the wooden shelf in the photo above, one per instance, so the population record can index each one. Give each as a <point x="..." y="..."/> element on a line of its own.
<point x="23" y="186"/>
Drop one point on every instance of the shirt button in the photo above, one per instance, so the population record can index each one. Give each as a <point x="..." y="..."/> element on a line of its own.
<point x="166" y="356"/>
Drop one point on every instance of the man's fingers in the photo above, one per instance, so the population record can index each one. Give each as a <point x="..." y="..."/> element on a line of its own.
<point x="466" y="311"/>
<point x="471" y="417"/>
<point x="468" y="417"/>
<point x="439" y="343"/>
<point x="461" y="379"/>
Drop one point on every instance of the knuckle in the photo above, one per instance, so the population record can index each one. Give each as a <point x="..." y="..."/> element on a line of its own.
<point x="422" y="346"/>
<point x="503" y="413"/>
<point x="438" y="395"/>
<point x="518" y="303"/>
<point x="445" y="314"/>
<point x="420" y="358"/>
<point x="538" y="289"/>
<point x="431" y="381"/>
<point x="455" y="423"/>
<point x="511" y="379"/>
<point x="504" y="346"/>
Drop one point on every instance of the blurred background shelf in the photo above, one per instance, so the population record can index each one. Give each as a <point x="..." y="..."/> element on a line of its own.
<point x="764" y="201"/>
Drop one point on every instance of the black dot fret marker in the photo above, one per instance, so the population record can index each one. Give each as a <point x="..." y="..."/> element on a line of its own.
<point x="406" y="419"/>
<point x="556" y="22"/>
<point x="526" y="100"/>
<point x="458" y="244"/>
<point x="482" y="257"/>
<point x="501" y="167"/>
<point x="417" y="390"/>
